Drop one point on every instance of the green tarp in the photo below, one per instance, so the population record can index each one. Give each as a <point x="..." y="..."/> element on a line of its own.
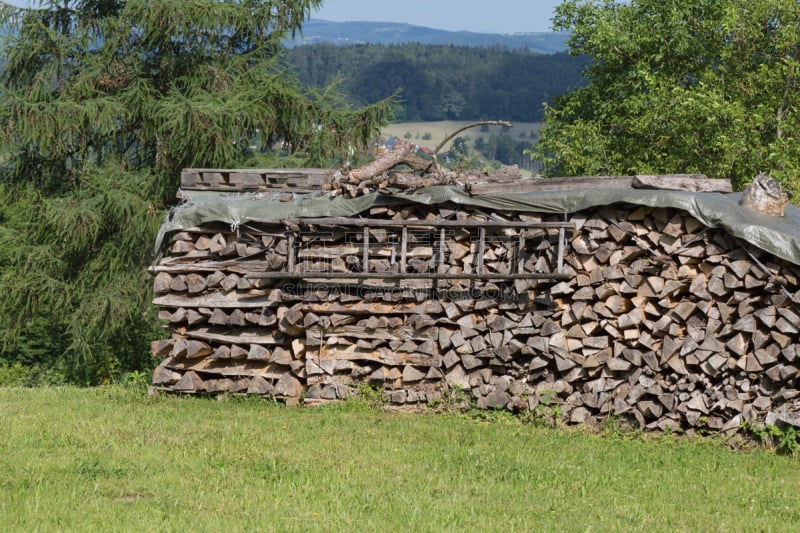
<point x="779" y="236"/>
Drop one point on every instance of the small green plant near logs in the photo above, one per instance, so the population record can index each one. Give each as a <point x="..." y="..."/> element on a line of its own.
<point x="546" y="412"/>
<point x="783" y="438"/>
<point x="451" y="400"/>
<point x="372" y="397"/>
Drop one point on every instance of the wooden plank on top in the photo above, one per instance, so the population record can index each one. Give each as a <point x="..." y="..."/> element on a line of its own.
<point x="246" y="180"/>
<point x="551" y="184"/>
<point x="378" y="223"/>
<point x="302" y="179"/>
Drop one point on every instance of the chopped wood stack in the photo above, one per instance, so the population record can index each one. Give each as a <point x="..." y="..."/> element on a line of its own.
<point x="644" y="313"/>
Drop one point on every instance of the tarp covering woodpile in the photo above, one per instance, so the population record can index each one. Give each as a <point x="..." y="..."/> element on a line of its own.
<point x="675" y="308"/>
<point x="779" y="236"/>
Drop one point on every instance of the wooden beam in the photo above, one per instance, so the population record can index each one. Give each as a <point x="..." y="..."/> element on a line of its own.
<point x="677" y="182"/>
<point x="253" y="335"/>
<point x="481" y="249"/>
<point x="360" y="222"/>
<point x="291" y="253"/>
<point x="365" y="253"/>
<point x="215" y="300"/>
<point x="550" y="184"/>
<point x="399" y="276"/>
<point x="403" y="249"/>
<point x="682" y="182"/>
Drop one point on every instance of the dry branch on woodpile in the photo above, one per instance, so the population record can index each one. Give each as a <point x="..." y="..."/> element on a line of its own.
<point x="381" y="173"/>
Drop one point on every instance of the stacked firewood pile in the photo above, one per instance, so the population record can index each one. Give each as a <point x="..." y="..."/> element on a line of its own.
<point x="630" y="311"/>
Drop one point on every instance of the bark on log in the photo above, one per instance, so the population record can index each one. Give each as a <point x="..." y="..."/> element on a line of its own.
<point x="765" y="196"/>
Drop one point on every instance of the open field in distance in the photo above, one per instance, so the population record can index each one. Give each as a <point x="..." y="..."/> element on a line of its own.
<point x="111" y="459"/>
<point x="439" y="130"/>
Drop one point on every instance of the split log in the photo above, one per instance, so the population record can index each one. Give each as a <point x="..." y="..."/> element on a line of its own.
<point x="765" y="196"/>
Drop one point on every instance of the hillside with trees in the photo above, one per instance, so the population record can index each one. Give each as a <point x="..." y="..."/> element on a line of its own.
<point x="442" y="82"/>
<point x="317" y="31"/>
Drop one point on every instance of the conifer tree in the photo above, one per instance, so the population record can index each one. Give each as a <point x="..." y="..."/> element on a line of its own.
<point x="102" y="103"/>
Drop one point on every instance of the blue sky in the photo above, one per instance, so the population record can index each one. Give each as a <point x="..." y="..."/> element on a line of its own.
<point x="484" y="16"/>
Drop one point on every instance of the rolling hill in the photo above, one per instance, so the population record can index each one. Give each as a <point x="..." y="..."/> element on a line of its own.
<point x="348" y="33"/>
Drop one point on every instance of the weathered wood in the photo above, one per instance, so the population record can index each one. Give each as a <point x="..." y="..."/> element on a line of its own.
<point x="165" y="376"/>
<point x="551" y="184"/>
<point x="226" y="368"/>
<point x="296" y="180"/>
<point x="656" y="317"/>
<point x="682" y="182"/>
<point x="197" y="349"/>
<point x="407" y="277"/>
<point x="382" y="355"/>
<point x="433" y="223"/>
<point x="217" y="300"/>
<point x="162" y="282"/>
<point x="190" y="382"/>
<point x="399" y="153"/>
<point x="241" y="335"/>
<point x="404" y="333"/>
<point x="764" y="195"/>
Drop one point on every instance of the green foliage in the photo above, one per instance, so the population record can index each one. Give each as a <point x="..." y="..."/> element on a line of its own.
<point x="465" y="157"/>
<point x="783" y="438"/>
<point x="12" y="375"/>
<point x="545" y="412"/>
<point x="452" y="401"/>
<point x="369" y="397"/>
<point x="442" y="82"/>
<point x="697" y="86"/>
<point x="427" y="136"/>
<point x="501" y="147"/>
<point x="101" y="106"/>
<point x="72" y="269"/>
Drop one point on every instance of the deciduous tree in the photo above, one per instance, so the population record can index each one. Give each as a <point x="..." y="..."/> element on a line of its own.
<point x="699" y="86"/>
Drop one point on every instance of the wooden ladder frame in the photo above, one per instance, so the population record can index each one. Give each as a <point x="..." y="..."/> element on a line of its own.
<point x="516" y="271"/>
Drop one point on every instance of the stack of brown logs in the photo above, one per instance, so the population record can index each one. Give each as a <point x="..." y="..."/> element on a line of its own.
<point x="658" y="318"/>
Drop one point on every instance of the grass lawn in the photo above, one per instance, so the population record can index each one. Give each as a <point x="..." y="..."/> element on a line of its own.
<point x="110" y="459"/>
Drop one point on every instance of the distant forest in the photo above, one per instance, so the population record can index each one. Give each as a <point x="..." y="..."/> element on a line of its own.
<point x="442" y="82"/>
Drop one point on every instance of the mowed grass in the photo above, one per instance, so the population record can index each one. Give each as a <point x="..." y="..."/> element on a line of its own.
<point x="111" y="459"/>
<point x="439" y="130"/>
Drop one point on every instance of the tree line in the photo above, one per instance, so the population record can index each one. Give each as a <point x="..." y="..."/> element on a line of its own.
<point x="437" y="82"/>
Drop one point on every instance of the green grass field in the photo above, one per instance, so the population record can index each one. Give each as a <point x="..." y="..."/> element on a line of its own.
<point x="439" y="130"/>
<point x="110" y="459"/>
